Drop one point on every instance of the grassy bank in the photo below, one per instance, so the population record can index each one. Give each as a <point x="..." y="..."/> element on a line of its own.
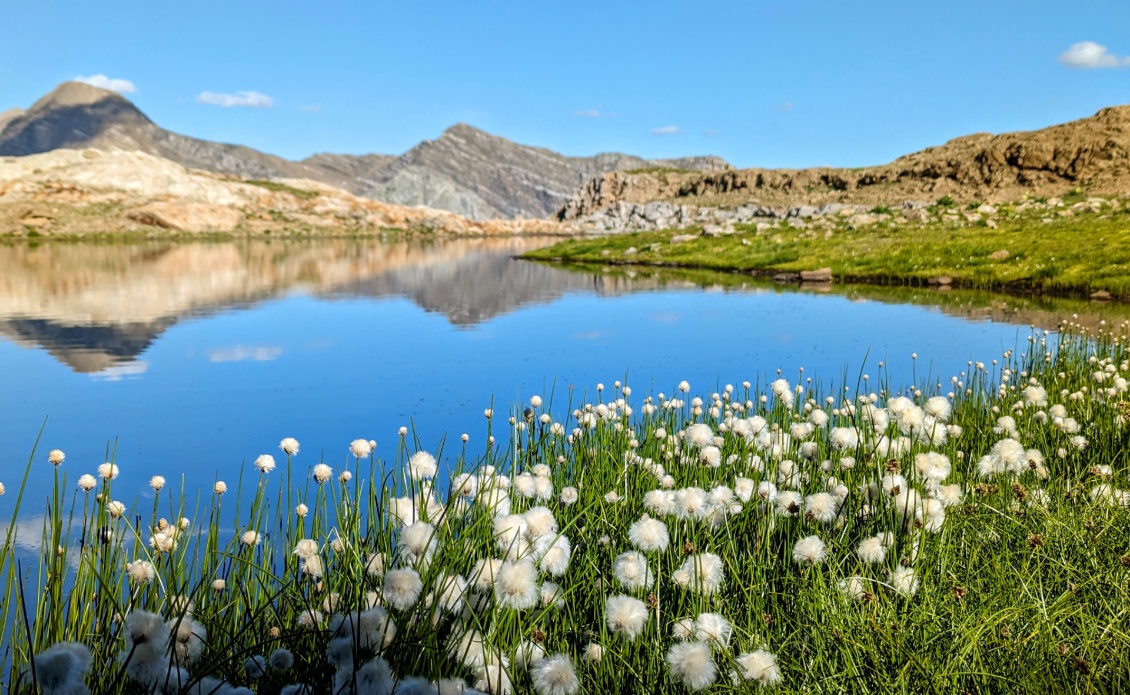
<point x="1083" y="250"/>
<point x="960" y="535"/>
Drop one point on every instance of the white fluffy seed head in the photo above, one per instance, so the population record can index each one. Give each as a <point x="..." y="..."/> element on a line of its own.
<point x="402" y="588"/>
<point x="713" y="629"/>
<point x="759" y="666"/>
<point x="809" y="551"/>
<point x="625" y="615"/>
<point x="649" y="535"/>
<point x="555" y="675"/>
<point x="515" y="585"/>
<point x="632" y="572"/>
<point x="692" y="664"/>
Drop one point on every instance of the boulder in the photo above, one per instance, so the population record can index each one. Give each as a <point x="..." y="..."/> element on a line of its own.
<point x="680" y="238"/>
<point x="1001" y="255"/>
<point x="818" y="275"/>
<point x="188" y="217"/>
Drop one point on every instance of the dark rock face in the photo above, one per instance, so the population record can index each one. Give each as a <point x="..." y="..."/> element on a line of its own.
<point x="465" y="170"/>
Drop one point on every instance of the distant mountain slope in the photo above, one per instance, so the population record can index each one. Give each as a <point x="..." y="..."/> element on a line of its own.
<point x="466" y="171"/>
<point x="480" y="175"/>
<point x="77" y="115"/>
<point x="1092" y="154"/>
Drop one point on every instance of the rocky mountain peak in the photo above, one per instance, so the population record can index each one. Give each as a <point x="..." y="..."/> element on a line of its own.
<point x="75" y="94"/>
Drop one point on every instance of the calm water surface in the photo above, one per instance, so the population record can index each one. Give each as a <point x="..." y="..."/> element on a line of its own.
<point x="192" y="359"/>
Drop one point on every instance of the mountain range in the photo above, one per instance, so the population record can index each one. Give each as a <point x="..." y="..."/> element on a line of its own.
<point x="466" y="170"/>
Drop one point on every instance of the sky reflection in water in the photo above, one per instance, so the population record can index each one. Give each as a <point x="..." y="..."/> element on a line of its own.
<point x="198" y="386"/>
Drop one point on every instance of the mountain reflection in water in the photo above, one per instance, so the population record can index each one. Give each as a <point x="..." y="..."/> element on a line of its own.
<point x="98" y="307"/>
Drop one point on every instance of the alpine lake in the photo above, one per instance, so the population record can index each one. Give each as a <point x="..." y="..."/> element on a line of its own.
<point x="190" y="359"/>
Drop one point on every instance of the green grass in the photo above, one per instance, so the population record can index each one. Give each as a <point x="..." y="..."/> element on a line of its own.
<point x="277" y="187"/>
<point x="1022" y="585"/>
<point x="1064" y="255"/>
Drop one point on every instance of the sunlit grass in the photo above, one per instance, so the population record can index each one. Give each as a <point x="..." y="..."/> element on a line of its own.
<point x="1081" y="254"/>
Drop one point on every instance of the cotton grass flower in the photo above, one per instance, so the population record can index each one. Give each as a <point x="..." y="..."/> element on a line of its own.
<point x="402" y="588"/>
<point x="59" y="669"/>
<point x="649" y="535"/>
<point x="220" y="487"/>
<point x="759" y="666"/>
<point x="418" y="543"/>
<point x="699" y="435"/>
<point x="555" y="675"/>
<point x="493" y="679"/>
<point x="422" y="466"/>
<point x="108" y="471"/>
<point x="526" y="655"/>
<point x="822" y="507"/>
<point x="904" y="581"/>
<point x="625" y="615"/>
<point x="289" y="446"/>
<point x="788" y="503"/>
<point x="510" y="535"/>
<point x="483" y="573"/>
<point x="713" y="629"/>
<point x="360" y="448"/>
<point x="593" y="652"/>
<point x="188" y="639"/>
<point x="87" y="482"/>
<point x="515" y="585"/>
<point x="147" y="641"/>
<point x="872" y="551"/>
<point x="281" y="660"/>
<point x="853" y="587"/>
<point x="265" y="463"/>
<point x="141" y="571"/>
<point x="556" y="559"/>
<point x="632" y="572"/>
<point x="251" y="538"/>
<point x="809" y="551"/>
<point x="322" y="473"/>
<point x="692" y="664"/>
<point x="540" y="523"/>
<point x="157" y="482"/>
<point x="56" y="457"/>
<point x="702" y="574"/>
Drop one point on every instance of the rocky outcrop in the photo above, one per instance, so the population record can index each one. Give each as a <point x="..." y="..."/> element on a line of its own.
<point x="1091" y="154"/>
<point x="89" y="192"/>
<point x="467" y="171"/>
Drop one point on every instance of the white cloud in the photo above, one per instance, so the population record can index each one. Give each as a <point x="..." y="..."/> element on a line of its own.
<point x="594" y="113"/>
<point x="251" y="100"/>
<point x="1088" y="54"/>
<point x="125" y="370"/>
<point x="114" y="84"/>
<point x="667" y="130"/>
<point x="244" y="353"/>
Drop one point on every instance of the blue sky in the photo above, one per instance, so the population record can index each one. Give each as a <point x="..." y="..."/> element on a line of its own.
<point x="771" y="83"/>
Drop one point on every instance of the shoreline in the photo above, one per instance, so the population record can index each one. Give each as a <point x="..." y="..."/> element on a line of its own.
<point x="1077" y="252"/>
